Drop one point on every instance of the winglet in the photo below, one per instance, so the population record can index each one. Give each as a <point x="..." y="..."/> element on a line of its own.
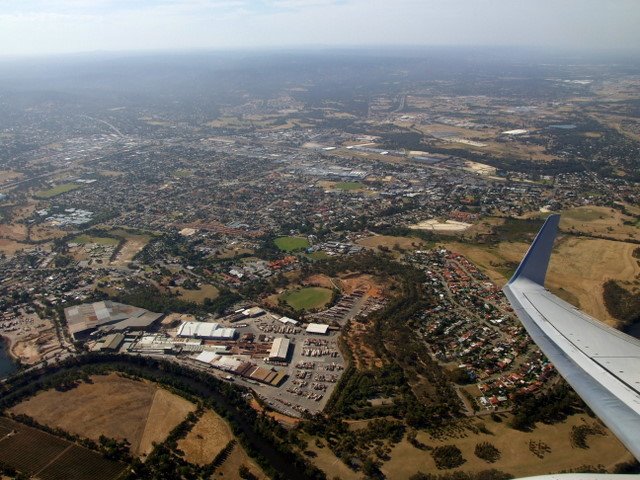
<point x="534" y="264"/>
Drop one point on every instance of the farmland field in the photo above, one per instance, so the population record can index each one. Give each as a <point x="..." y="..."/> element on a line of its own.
<point x="308" y="298"/>
<point x="38" y="453"/>
<point x="289" y="244"/>
<point x="113" y="406"/>
<point x="57" y="190"/>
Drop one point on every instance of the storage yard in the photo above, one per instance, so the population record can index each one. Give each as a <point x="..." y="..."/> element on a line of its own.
<point x="292" y="367"/>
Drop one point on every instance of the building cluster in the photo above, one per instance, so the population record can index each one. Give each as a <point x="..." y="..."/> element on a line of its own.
<point x="472" y="326"/>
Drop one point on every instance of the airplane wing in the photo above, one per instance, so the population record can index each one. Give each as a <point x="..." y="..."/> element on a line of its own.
<point x="601" y="364"/>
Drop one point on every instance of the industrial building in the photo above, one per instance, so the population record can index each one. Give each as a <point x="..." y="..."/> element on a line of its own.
<point x="279" y="349"/>
<point x="317" y="328"/>
<point x="107" y="317"/>
<point x="244" y="368"/>
<point x="209" y="331"/>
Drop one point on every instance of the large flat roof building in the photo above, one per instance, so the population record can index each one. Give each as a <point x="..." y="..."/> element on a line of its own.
<point x="280" y="349"/>
<point x="211" y="331"/>
<point x="318" y="328"/>
<point x="107" y="316"/>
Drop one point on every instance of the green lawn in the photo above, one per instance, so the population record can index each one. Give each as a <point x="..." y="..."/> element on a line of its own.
<point x="308" y="298"/>
<point x="319" y="255"/>
<point x="57" y="190"/>
<point x="93" y="239"/>
<point x="289" y="244"/>
<point x="349" y="186"/>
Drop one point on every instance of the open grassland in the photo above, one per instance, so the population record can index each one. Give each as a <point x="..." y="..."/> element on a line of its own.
<point x="516" y="457"/>
<point x="578" y="269"/>
<point x="199" y="295"/>
<point x="206" y="439"/>
<point x="166" y="412"/>
<point x="39" y="454"/>
<point x="308" y="298"/>
<point x="113" y="406"/>
<point x="94" y="239"/>
<point x="290" y="244"/>
<point x="600" y="221"/>
<point x="57" y="190"/>
<point x="389" y="241"/>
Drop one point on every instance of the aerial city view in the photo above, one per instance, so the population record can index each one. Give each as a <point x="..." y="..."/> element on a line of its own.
<point x="319" y="240"/>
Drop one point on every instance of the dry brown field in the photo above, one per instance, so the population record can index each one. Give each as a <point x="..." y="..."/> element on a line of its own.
<point x="134" y="243"/>
<point x="7" y="176"/>
<point x="199" y="295"/>
<point x="166" y="412"/>
<point x="111" y="405"/>
<point x="206" y="439"/>
<point x="10" y="247"/>
<point x="600" y="221"/>
<point x="516" y="457"/>
<point x="237" y="458"/>
<point x="14" y="231"/>
<point x="375" y="241"/>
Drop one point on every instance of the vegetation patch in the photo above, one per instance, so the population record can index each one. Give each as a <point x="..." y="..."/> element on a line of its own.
<point x="447" y="456"/>
<point x="291" y="244"/>
<point x="57" y="190"/>
<point x="621" y="303"/>
<point x="487" y="452"/>
<point x="579" y="434"/>
<point x="308" y="298"/>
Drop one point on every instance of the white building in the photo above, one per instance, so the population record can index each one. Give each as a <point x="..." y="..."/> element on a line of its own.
<point x="280" y="349"/>
<point x="211" y="331"/>
<point x="318" y="328"/>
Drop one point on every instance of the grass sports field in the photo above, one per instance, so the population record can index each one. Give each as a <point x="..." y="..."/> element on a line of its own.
<point x="290" y="244"/>
<point x="349" y="186"/>
<point x="308" y="298"/>
<point x="57" y="190"/>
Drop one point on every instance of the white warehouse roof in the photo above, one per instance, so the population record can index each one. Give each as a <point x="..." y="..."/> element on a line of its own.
<point x="205" y="330"/>
<point x="280" y="348"/>
<point x="318" y="328"/>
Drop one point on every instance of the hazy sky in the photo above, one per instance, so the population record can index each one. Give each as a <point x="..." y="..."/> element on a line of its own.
<point x="53" y="26"/>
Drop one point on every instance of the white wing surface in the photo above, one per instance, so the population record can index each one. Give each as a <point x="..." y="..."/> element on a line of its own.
<point x="599" y="362"/>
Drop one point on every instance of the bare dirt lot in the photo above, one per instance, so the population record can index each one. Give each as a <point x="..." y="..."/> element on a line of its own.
<point x="134" y="243"/>
<point x="206" y="439"/>
<point x="111" y="405"/>
<point x="364" y="356"/>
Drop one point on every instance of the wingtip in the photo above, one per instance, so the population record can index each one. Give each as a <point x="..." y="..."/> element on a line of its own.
<point x="536" y="261"/>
